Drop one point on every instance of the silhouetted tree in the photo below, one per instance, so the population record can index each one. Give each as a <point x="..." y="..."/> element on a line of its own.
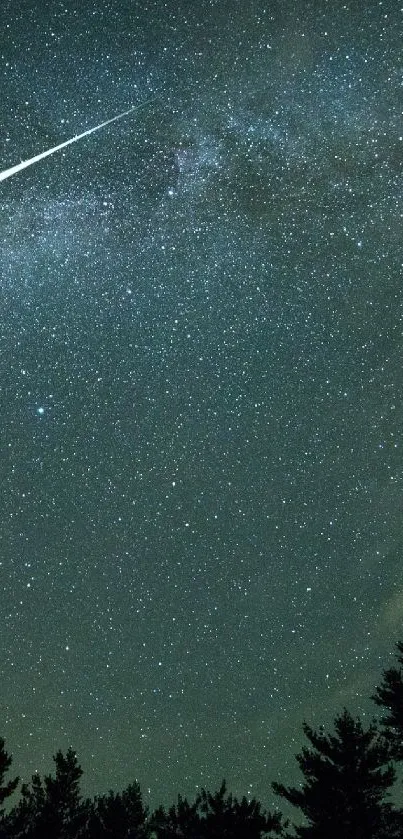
<point x="6" y="789"/>
<point x="52" y="808"/>
<point x="137" y="814"/>
<point x="389" y="695"/>
<point x="345" y="784"/>
<point x="215" y="816"/>
<point x="63" y="812"/>
<point x="118" y="815"/>
<point x="23" y="818"/>
<point x="225" y="816"/>
<point x="181" y="820"/>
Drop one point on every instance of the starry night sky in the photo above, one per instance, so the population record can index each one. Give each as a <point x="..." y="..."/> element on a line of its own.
<point x="200" y="383"/>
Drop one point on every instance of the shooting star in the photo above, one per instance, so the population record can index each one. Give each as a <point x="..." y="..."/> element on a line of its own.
<point x="8" y="173"/>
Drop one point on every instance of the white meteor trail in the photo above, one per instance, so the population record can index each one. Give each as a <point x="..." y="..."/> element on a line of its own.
<point x="8" y="173"/>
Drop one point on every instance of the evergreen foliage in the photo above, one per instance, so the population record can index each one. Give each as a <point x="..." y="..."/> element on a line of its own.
<point x="6" y="789"/>
<point x="215" y="816"/>
<point x="52" y="808"/>
<point x="348" y="775"/>
<point x="122" y="816"/>
<point x="389" y="695"/>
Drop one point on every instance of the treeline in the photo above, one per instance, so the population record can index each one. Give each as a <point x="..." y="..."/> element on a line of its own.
<point x="347" y="779"/>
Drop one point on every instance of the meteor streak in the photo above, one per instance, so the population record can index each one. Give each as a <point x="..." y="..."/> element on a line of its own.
<point x="8" y="173"/>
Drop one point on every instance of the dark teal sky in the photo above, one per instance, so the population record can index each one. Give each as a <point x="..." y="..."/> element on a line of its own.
<point x="200" y="384"/>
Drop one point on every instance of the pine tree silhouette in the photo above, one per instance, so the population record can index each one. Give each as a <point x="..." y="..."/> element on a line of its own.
<point x="216" y="815"/>
<point x="63" y="798"/>
<point x="389" y="695"/>
<point x="225" y="816"/>
<point x="6" y="789"/>
<point x="51" y="809"/>
<point x="118" y="815"/>
<point x="5" y="763"/>
<point x="347" y="777"/>
<point x="181" y="820"/>
<point x="24" y="817"/>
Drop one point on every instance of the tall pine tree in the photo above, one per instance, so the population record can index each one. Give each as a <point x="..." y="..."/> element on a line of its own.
<point x="347" y="777"/>
<point x="50" y="809"/>
<point x="63" y="811"/>
<point x="118" y="815"/>
<point x="6" y="788"/>
<point x="216" y="815"/>
<point x="181" y="820"/>
<point x="389" y="695"/>
<point x="224" y="816"/>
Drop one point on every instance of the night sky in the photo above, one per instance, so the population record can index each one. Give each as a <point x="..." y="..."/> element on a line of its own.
<point x="200" y="383"/>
